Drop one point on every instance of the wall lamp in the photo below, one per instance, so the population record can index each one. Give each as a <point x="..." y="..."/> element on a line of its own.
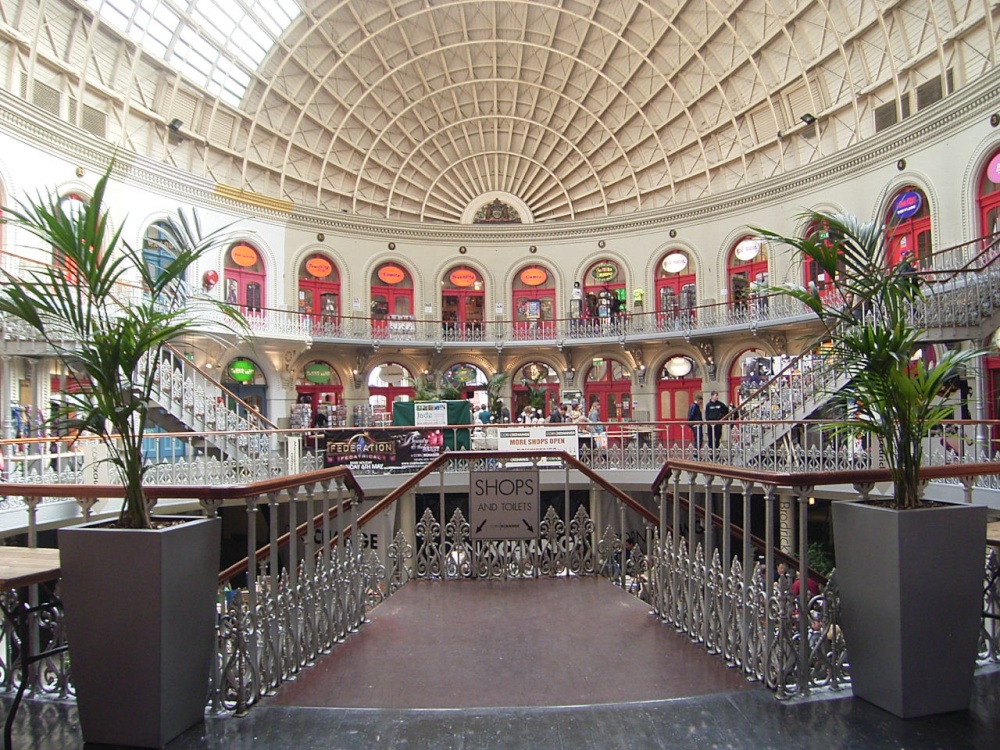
<point x="808" y="118"/>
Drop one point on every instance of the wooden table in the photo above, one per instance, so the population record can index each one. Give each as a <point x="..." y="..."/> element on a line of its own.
<point x="20" y="567"/>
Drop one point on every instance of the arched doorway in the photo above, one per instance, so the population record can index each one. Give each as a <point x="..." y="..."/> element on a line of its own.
<point x="319" y="397"/>
<point x="392" y="300"/>
<point x="387" y="384"/>
<point x="319" y="292"/>
<point x="909" y="228"/>
<point x="676" y="388"/>
<point x="535" y="384"/>
<point x="246" y="380"/>
<point x="609" y="382"/>
<point x="815" y="277"/>
<point x="989" y="198"/>
<point x="750" y="370"/>
<point x="676" y="291"/>
<point x="533" y="304"/>
<point x="605" y="299"/>
<point x="245" y="277"/>
<point x="747" y="273"/>
<point x="463" y="304"/>
<point x="158" y="252"/>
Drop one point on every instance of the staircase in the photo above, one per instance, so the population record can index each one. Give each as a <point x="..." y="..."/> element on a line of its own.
<point x="957" y="305"/>
<point x="189" y="400"/>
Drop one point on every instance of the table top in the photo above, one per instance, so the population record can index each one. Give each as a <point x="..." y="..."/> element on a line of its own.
<point x="21" y="566"/>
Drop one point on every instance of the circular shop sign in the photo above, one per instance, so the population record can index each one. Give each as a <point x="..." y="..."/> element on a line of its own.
<point x="748" y="249"/>
<point x="906" y="204"/>
<point x="319" y="267"/>
<point x="533" y="276"/>
<point x="391" y="274"/>
<point x="605" y="272"/>
<point x="243" y="255"/>
<point x="463" y="277"/>
<point x="675" y="262"/>
<point x="242" y="370"/>
<point x="318" y="372"/>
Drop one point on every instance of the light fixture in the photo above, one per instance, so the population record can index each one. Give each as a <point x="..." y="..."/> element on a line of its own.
<point x="808" y="118"/>
<point x="176" y="124"/>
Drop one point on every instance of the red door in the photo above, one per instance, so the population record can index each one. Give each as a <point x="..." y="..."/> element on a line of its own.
<point x="675" y="398"/>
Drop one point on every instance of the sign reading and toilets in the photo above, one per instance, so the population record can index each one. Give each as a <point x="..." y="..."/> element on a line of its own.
<point x="504" y="504"/>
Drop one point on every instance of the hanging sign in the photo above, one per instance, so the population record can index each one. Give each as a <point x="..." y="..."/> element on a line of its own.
<point x="242" y="370"/>
<point x="604" y="272"/>
<point x="463" y="277"/>
<point x="748" y="249"/>
<point x="392" y="374"/>
<point x="504" y="504"/>
<point x="906" y="204"/>
<point x="675" y="262"/>
<point x="533" y="276"/>
<point x="318" y="372"/>
<point x="243" y="255"/>
<point x="319" y="267"/>
<point x="391" y="274"/>
<point x="463" y="374"/>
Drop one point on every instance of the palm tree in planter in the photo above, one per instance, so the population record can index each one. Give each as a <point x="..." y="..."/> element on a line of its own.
<point x="106" y="315"/>
<point x="910" y="569"/>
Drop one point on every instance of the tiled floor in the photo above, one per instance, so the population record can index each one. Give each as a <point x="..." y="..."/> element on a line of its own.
<point x="563" y="682"/>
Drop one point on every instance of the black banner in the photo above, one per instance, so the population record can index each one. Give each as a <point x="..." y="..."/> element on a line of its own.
<point x="373" y="449"/>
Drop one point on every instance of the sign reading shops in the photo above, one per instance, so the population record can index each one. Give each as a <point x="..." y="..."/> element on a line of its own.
<point x="504" y="504"/>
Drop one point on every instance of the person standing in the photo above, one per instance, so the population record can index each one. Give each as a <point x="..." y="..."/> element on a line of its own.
<point x="503" y="413"/>
<point x="695" y="419"/>
<point x="715" y="410"/>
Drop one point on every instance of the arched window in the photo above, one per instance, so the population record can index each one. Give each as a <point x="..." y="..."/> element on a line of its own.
<point x="319" y="397"/>
<point x="245" y="378"/>
<point x="604" y="295"/>
<point x="909" y="228"/>
<point x="537" y="385"/>
<point x="749" y="371"/>
<point x="989" y="199"/>
<point x="158" y="250"/>
<point x="387" y="384"/>
<point x="533" y="304"/>
<point x="747" y="271"/>
<point x="609" y="382"/>
<point x="676" y="290"/>
<point x="392" y="299"/>
<point x="71" y="205"/>
<point x="319" y="291"/>
<point x="463" y="304"/>
<point x="815" y="277"/>
<point x="676" y="388"/>
<point x="469" y="381"/>
<point x="245" y="277"/>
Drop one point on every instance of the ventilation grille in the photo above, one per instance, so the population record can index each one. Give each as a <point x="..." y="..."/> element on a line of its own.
<point x="94" y="121"/>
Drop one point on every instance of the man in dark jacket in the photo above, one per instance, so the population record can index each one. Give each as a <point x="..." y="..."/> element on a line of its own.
<point x="694" y="421"/>
<point x="714" y="411"/>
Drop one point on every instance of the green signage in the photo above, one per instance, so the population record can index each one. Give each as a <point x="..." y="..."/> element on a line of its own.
<point x="242" y="370"/>
<point x="318" y="372"/>
<point x="604" y="272"/>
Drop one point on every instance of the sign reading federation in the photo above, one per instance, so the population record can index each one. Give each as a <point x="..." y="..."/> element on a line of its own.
<point x="504" y="504"/>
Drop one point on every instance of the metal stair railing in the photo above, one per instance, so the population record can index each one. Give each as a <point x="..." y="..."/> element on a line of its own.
<point x="201" y="404"/>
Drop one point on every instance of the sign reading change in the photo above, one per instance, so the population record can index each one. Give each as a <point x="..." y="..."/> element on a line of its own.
<point x="504" y="504"/>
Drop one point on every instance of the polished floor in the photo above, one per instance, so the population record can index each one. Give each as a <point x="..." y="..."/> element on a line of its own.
<point x="517" y="669"/>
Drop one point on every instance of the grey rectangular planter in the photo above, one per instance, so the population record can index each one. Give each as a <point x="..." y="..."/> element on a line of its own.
<point x="911" y="586"/>
<point x="140" y="621"/>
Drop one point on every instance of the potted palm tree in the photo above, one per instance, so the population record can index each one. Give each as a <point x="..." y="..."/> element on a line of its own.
<point x="910" y="569"/>
<point x="139" y="592"/>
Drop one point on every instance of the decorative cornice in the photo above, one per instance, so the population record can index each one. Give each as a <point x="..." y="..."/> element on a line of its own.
<point x="52" y="135"/>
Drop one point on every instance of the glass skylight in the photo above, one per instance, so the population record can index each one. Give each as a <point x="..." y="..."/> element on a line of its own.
<point x="217" y="44"/>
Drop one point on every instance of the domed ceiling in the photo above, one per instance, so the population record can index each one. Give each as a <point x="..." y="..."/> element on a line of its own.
<point x="429" y="110"/>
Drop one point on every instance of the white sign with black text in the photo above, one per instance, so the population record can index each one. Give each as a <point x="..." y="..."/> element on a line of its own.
<point x="504" y="504"/>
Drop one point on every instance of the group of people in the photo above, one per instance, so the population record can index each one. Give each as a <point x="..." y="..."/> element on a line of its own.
<point x="483" y="415"/>
<point x="700" y="413"/>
